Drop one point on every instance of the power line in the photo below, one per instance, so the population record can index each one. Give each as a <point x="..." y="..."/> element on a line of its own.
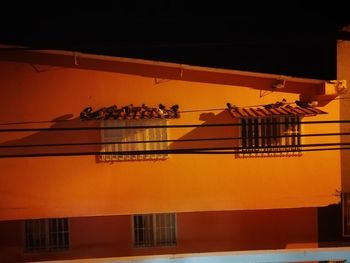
<point x="259" y="152"/>
<point x="183" y="111"/>
<point x="158" y="126"/>
<point x="227" y="150"/>
<point x="32" y="122"/>
<point x="119" y="142"/>
<point x="249" y="106"/>
<point x="172" y="140"/>
<point x="118" y="128"/>
<point x="200" y="110"/>
<point x="247" y="147"/>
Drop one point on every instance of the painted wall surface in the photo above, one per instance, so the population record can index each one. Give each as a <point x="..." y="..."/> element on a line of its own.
<point x="343" y="73"/>
<point x="111" y="236"/>
<point x="83" y="186"/>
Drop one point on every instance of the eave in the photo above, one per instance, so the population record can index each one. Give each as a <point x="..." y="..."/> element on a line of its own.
<point x="158" y="70"/>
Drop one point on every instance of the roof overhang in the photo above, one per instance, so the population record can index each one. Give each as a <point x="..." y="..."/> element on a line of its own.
<point x="159" y="70"/>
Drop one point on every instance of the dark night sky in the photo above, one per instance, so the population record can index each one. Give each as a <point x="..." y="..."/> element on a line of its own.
<point x="293" y="39"/>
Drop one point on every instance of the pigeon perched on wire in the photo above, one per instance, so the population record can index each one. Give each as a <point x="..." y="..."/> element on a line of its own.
<point x="306" y="104"/>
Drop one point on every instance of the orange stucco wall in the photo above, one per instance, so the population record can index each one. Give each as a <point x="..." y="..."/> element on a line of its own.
<point x="82" y="186"/>
<point x="343" y="73"/>
<point x="111" y="236"/>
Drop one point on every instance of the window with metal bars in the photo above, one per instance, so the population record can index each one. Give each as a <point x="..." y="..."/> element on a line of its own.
<point x="123" y="140"/>
<point x="346" y="214"/>
<point x="274" y="134"/>
<point x="46" y="234"/>
<point x="154" y="230"/>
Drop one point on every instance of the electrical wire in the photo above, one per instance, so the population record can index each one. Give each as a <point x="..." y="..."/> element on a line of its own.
<point x="259" y="152"/>
<point x="158" y="126"/>
<point x="224" y="150"/>
<point x="173" y="140"/>
<point x="32" y="122"/>
<point x="183" y="111"/>
<point x="256" y="105"/>
<point x="256" y="147"/>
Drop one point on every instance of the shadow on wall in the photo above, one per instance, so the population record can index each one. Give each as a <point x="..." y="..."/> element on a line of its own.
<point x="51" y="138"/>
<point x="216" y="133"/>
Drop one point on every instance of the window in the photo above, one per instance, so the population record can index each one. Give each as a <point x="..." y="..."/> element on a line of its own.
<point x="154" y="230"/>
<point x="270" y="134"/>
<point x="346" y="214"/>
<point x="124" y="139"/>
<point x="46" y="234"/>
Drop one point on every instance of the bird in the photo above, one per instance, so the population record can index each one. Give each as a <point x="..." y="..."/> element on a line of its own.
<point x="302" y="104"/>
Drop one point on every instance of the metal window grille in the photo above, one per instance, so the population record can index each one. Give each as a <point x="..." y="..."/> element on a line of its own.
<point x="346" y="214"/>
<point x="46" y="235"/>
<point x="265" y="134"/>
<point x="119" y="140"/>
<point x="154" y="230"/>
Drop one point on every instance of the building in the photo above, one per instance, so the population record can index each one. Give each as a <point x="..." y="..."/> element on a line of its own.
<point x="268" y="192"/>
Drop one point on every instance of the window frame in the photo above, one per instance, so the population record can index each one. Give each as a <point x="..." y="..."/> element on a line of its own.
<point x="47" y="247"/>
<point x="345" y="214"/>
<point x="254" y="131"/>
<point x="154" y="243"/>
<point x="143" y="135"/>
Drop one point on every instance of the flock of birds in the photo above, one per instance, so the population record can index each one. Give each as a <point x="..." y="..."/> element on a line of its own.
<point x="130" y="112"/>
